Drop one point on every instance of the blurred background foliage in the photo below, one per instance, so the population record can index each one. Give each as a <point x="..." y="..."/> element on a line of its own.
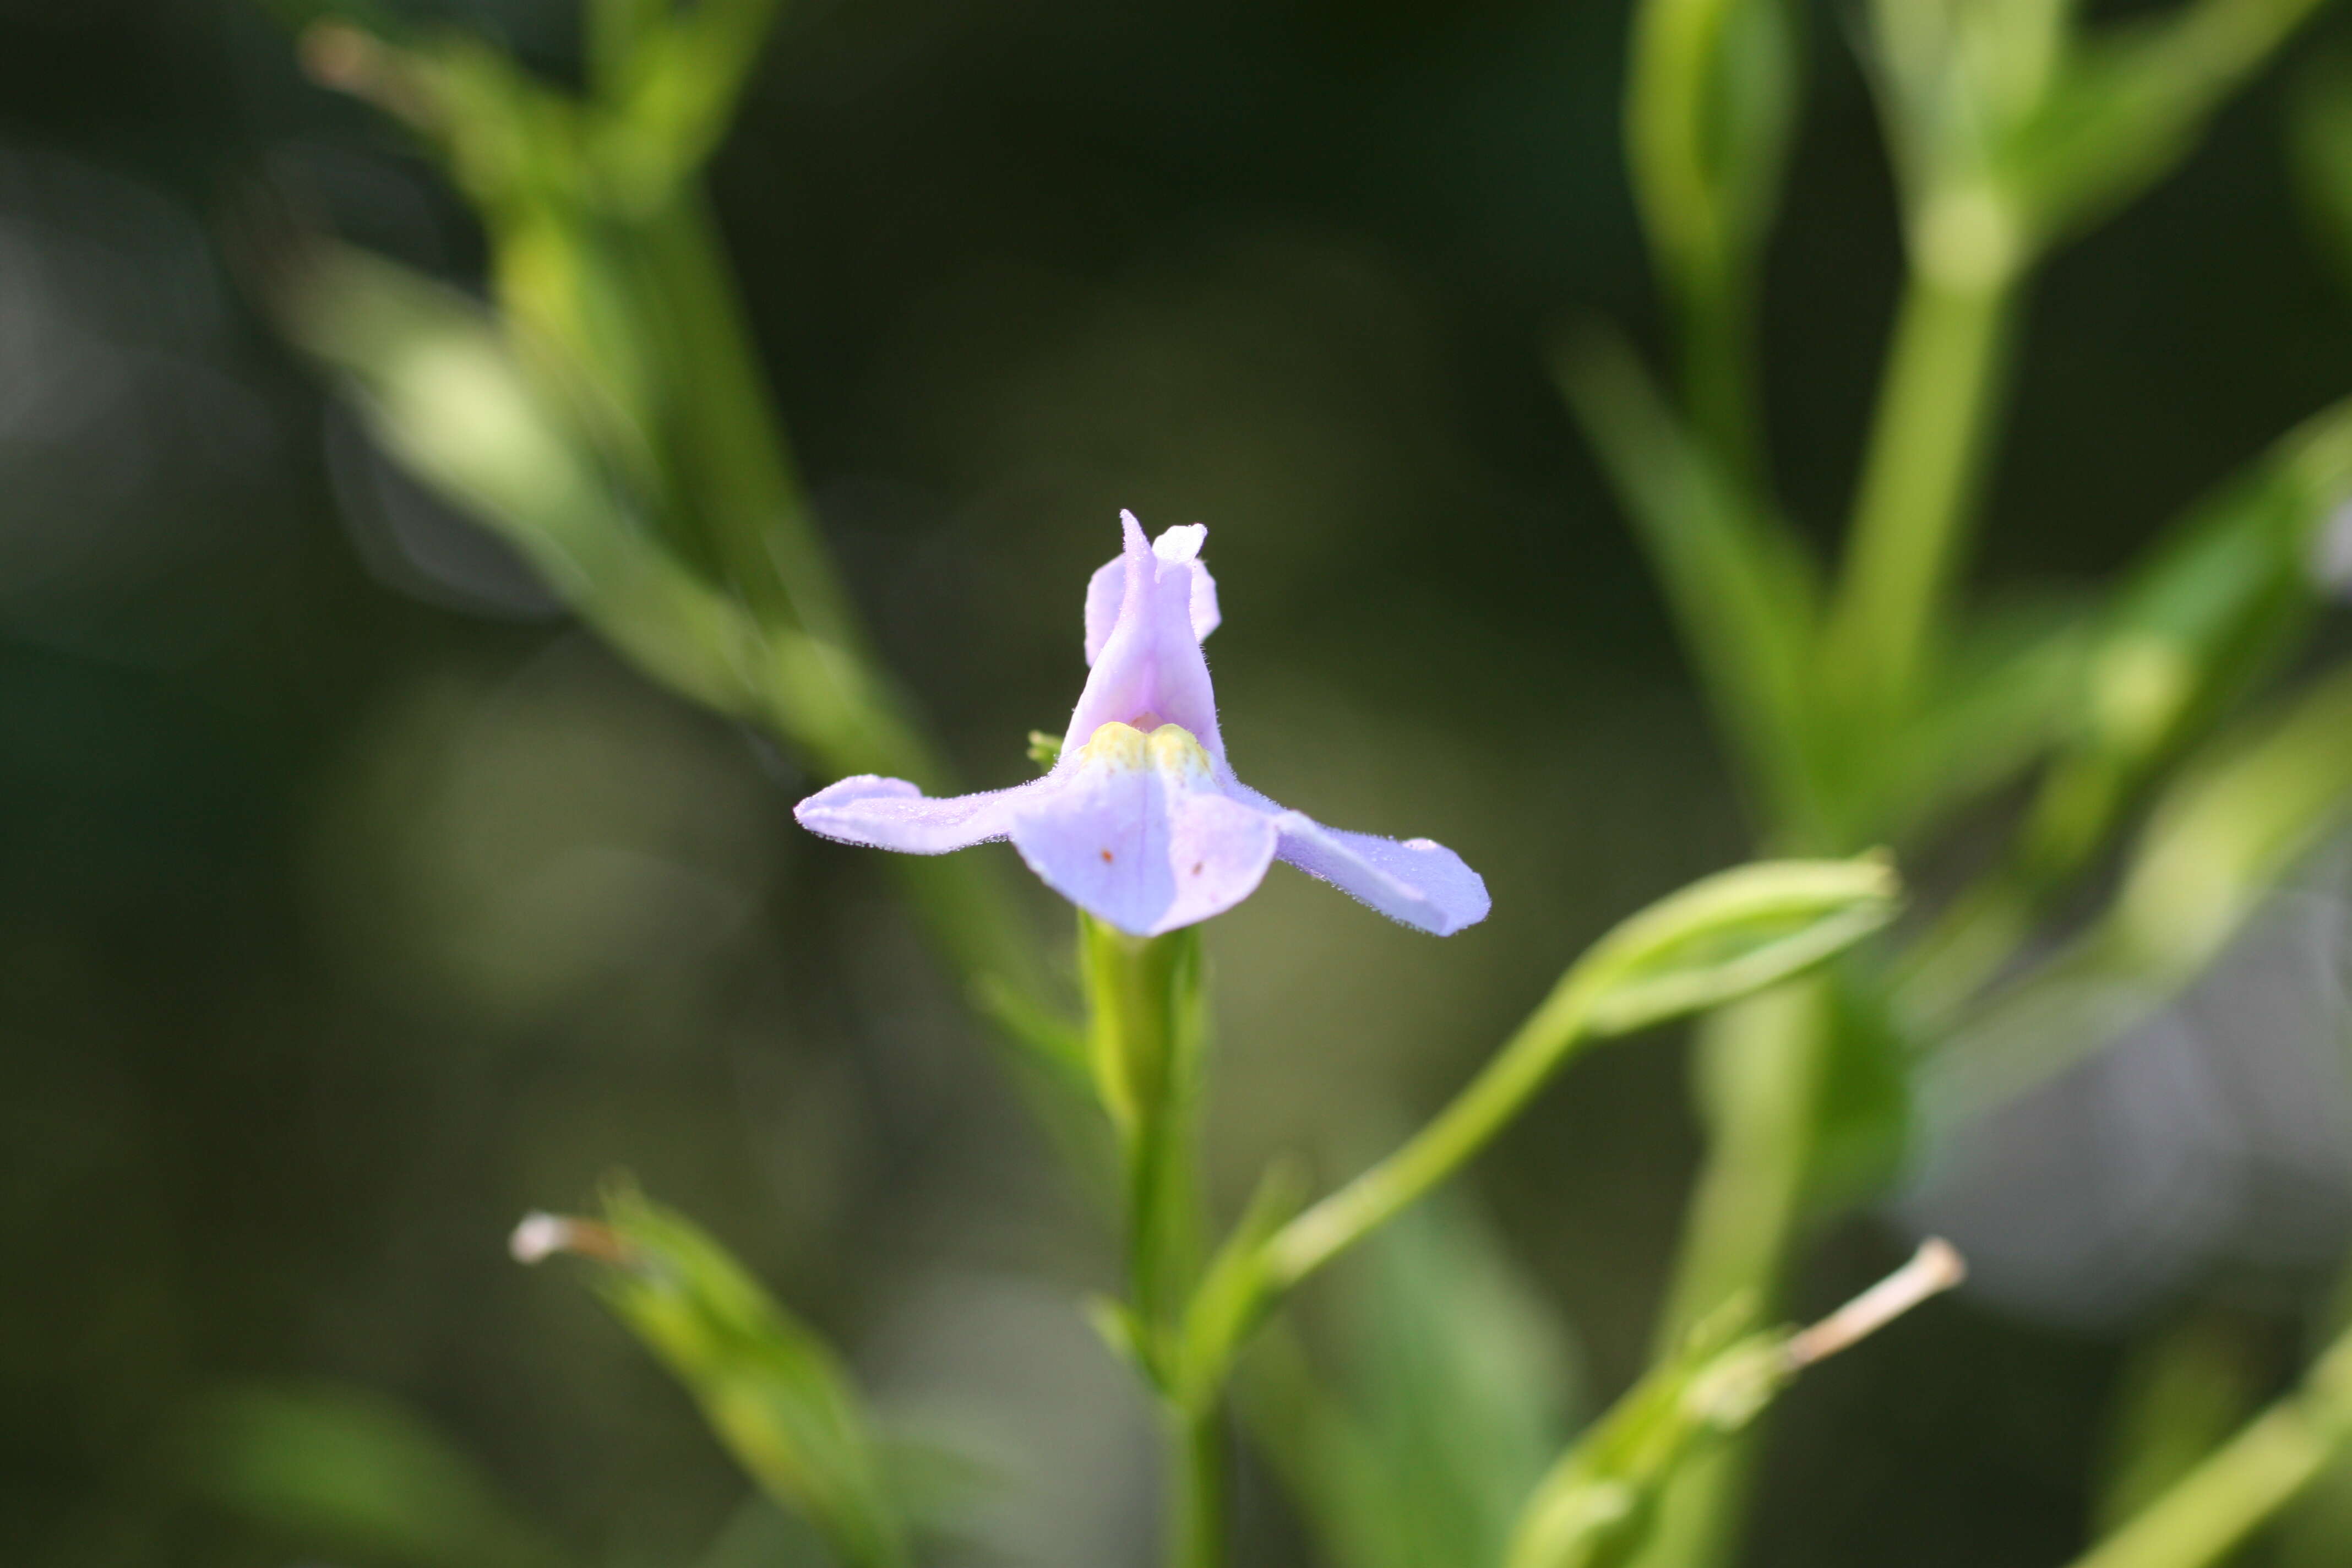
<point x="354" y="900"/>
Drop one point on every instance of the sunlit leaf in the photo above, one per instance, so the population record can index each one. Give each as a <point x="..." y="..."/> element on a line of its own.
<point x="442" y="388"/>
<point x="772" y="1389"/>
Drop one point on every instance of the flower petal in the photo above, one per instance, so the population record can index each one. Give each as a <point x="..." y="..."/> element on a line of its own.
<point x="1413" y="881"/>
<point x="1148" y="670"/>
<point x="1127" y="848"/>
<point x="1108" y="587"/>
<point x="891" y="814"/>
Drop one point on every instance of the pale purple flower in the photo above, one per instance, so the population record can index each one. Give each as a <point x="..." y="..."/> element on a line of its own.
<point x="1141" y="822"/>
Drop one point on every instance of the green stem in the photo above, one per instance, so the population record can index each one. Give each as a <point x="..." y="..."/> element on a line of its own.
<point x="2231" y="1495"/>
<point x="1147" y="1037"/>
<point x="1199" y="1454"/>
<point x="1760" y="1065"/>
<point x="1719" y="379"/>
<point x="1550" y="1035"/>
<point x="1916" y="488"/>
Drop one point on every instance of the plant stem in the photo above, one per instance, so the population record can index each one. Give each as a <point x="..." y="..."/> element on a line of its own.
<point x="2221" y="1501"/>
<point x="1760" y="1064"/>
<point x="1916" y="487"/>
<point x="1199" y="1455"/>
<point x="1549" y="1036"/>
<point x="1147" y="1035"/>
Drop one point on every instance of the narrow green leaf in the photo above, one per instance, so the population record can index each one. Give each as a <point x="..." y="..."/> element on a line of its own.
<point x="773" y="1392"/>
<point x="1742" y="592"/>
<point x="2185" y="1391"/>
<point x="2321" y="143"/>
<point x="673" y="108"/>
<point x="1734" y="933"/>
<point x="2217" y="604"/>
<point x="340" y="1471"/>
<point x="2133" y="100"/>
<point x="442" y="388"/>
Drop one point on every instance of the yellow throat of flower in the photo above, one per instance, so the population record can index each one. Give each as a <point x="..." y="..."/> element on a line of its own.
<point x="1171" y="748"/>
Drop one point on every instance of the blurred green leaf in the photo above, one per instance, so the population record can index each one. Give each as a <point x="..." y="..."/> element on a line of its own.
<point x="2134" y="100"/>
<point x="2185" y="1391"/>
<point x="1711" y="102"/>
<point x="2260" y="798"/>
<point x="1458" y="1388"/>
<point x="772" y="1391"/>
<point x="2217" y="604"/>
<point x="1742" y="592"/>
<point x="2320" y="140"/>
<point x="333" y="1469"/>
<point x="761" y="1535"/>
<point x="442" y="388"/>
<point x="1710" y="105"/>
<point x="1595" y="1507"/>
<point x="2214" y="607"/>
<point x="2000" y="700"/>
<point x="2014" y="127"/>
<point x="670" y="90"/>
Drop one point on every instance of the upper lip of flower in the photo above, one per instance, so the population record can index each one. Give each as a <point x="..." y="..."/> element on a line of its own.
<point x="1142" y="821"/>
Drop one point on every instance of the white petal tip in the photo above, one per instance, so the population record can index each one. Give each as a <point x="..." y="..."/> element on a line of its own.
<point x="1182" y="543"/>
<point x="540" y="1236"/>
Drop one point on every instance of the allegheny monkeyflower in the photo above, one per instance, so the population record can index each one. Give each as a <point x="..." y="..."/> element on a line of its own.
<point x="1141" y="822"/>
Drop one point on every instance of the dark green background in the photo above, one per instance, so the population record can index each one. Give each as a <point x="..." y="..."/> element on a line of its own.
<point x="339" y="925"/>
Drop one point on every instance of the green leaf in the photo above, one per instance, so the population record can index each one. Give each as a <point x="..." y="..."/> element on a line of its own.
<point x="2000" y="701"/>
<point x="2184" y="1392"/>
<point x="442" y="388"/>
<point x="2134" y="100"/>
<point x="2217" y="604"/>
<point x="2320" y="141"/>
<point x="1457" y="1391"/>
<point x="1595" y="1507"/>
<point x="772" y="1391"/>
<point x="670" y="101"/>
<point x="2259" y="799"/>
<point x="2013" y="127"/>
<point x="1710" y="103"/>
<point x="1734" y="933"/>
<point x="335" y="1470"/>
<point x="1463" y="1381"/>
<point x="1742" y="592"/>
